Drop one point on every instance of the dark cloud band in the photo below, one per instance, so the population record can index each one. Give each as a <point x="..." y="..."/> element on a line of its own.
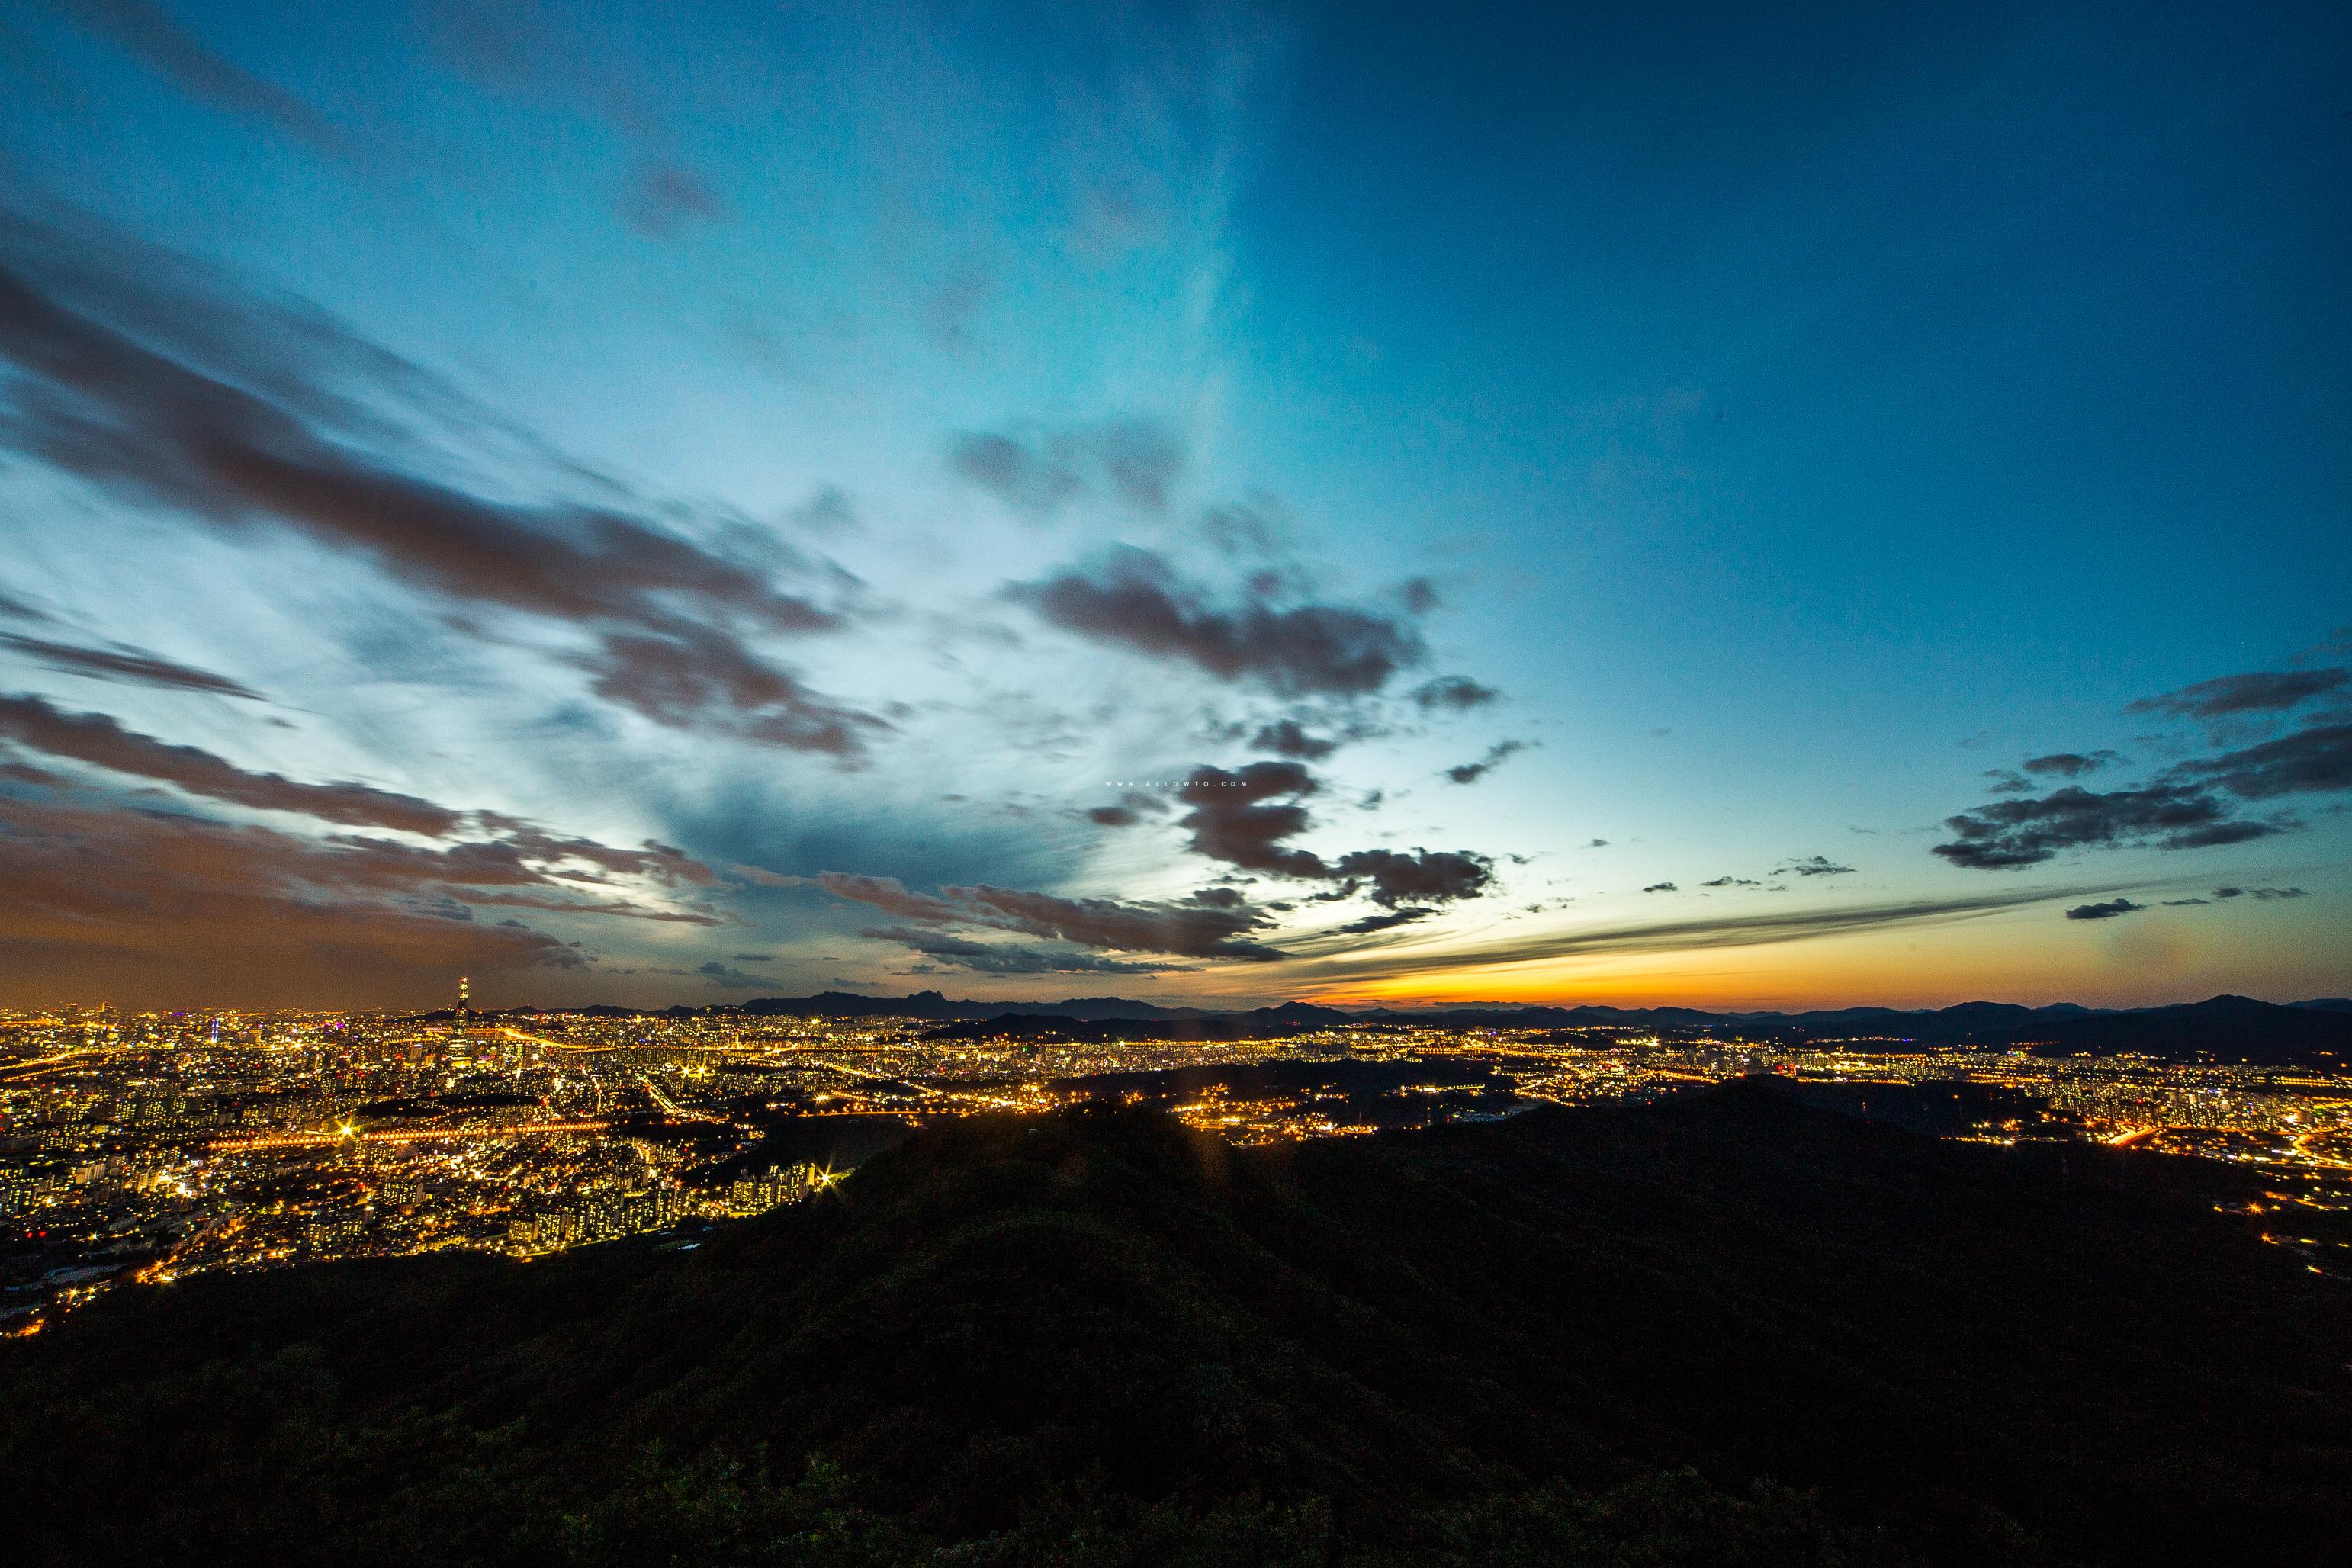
<point x="1135" y="600"/>
<point x="127" y="665"/>
<point x="2265" y="692"/>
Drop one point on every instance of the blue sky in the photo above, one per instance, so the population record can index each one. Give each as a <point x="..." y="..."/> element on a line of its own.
<point x="910" y="427"/>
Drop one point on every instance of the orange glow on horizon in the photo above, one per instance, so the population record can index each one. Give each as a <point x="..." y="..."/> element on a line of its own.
<point x="2032" y="956"/>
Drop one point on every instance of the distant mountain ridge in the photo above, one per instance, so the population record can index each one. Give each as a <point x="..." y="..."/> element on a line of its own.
<point x="932" y="1005"/>
<point x="2315" y="1033"/>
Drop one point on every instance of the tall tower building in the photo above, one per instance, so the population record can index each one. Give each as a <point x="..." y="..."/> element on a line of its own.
<point x="457" y="1046"/>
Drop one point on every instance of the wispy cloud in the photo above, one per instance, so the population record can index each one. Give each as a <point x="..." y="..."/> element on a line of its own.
<point x="242" y="418"/>
<point x="1471" y="773"/>
<point x="2270" y="692"/>
<point x="96" y="740"/>
<point x="148" y="32"/>
<point x="124" y="664"/>
<point x="1135" y="600"/>
<point x="1136" y="461"/>
<point x="1813" y="866"/>
<point x="223" y="911"/>
<point x="1187" y="931"/>
<point x="2105" y="910"/>
<point x="1013" y="957"/>
<point x="1452" y="693"/>
<point x="1245" y="817"/>
<point x="1438" y="955"/>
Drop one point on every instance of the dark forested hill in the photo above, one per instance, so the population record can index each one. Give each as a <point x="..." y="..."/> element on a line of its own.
<point x="1732" y="1329"/>
<point x="2224" y="1028"/>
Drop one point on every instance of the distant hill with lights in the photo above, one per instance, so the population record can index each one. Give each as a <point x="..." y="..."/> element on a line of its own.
<point x="2318" y="1033"/>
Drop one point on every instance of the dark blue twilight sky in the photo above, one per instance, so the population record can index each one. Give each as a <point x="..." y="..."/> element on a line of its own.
<point x="1757" y="506"/>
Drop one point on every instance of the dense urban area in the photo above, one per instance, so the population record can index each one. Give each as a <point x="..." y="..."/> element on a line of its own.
<point x="146" y="1148"/>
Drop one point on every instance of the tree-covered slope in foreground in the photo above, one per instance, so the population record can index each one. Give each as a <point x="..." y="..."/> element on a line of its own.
<point x="1728" y="1329"/>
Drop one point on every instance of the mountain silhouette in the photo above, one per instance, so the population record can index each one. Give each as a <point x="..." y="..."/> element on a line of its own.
<point x="1728" y="1329"/>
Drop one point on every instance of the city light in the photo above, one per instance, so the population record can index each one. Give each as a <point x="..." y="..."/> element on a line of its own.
<point x="147" y="1148"/>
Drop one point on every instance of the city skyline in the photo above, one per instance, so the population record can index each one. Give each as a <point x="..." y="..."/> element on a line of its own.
<point x="1215" y="506"/>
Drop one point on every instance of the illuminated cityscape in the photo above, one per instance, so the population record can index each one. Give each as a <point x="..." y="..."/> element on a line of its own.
<point x="147" y="1148"/>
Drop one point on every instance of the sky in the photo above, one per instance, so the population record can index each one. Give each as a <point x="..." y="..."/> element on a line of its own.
<point x="1758" y="508"/>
